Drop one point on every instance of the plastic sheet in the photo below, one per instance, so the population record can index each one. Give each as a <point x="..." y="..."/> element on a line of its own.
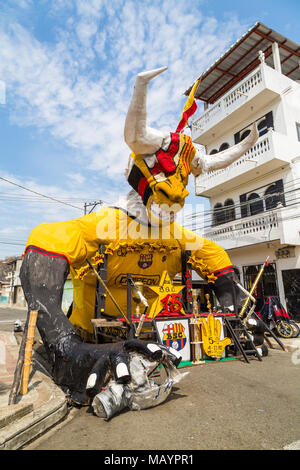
<point x="111" y="400"/>
<point x="151" y="384"/>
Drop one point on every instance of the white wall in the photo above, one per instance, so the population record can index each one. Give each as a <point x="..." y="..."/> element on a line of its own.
<point x="291" y="105"/>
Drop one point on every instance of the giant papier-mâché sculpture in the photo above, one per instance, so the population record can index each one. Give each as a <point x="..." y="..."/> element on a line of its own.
<point x="142" y="238"/>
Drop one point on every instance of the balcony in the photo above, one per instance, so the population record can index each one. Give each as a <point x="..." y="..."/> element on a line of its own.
<point x="247" y="231"/>
<point x="256" y="91"/>
<point x="276" y="224"/>
<point x="271" y="151"/>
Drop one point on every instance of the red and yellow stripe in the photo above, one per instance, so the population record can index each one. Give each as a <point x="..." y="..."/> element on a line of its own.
<point x="189" y="108"/>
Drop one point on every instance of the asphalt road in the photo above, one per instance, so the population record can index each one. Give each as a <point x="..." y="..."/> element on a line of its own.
<point x="8" y="317"/>
<point x="227" y="405"/>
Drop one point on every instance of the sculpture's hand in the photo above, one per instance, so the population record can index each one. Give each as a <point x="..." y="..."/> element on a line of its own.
<point x="211" y="330"/>
<point x="115" y="363"/>
<point x="82" y="369"/>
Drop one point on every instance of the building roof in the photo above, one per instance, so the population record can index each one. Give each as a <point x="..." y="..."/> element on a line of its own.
<point x="242" y="58"/>
<point x="11" y="259"/>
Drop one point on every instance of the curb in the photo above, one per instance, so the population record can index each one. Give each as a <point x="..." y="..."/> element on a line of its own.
<point x="291" y="344"/>
<point x="21" y="430"/>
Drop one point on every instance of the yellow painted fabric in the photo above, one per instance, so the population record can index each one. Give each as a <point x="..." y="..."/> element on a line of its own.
<point x="143" y="251"/>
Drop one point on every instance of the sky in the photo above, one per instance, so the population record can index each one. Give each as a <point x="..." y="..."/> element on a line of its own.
<point x="67" y="70"/>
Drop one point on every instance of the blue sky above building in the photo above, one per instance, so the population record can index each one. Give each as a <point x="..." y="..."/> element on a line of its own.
<point x="68" y="67"/>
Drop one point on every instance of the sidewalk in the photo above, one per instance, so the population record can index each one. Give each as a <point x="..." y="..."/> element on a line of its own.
<point x="290" y="344"/>
<point x="12" y="307"/>
<point x="43" y="406"/>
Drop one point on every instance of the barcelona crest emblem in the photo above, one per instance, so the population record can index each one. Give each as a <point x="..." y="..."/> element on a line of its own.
<point x="174" y="336"/>
<point x="145" y="261"/>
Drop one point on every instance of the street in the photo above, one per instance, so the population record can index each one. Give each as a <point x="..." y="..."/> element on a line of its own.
<point x="227" y="406"/>
<point x="9" y="315"/>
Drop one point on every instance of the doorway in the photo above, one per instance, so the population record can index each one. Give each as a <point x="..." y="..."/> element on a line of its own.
<point x="291" y="284"/>
<point x="267" y="285"/>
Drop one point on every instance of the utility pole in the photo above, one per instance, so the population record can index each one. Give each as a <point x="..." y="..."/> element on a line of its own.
<point x="89" y="204"/>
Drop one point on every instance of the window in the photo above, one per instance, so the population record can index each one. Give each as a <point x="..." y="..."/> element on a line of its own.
<point x="245" y="134"/>
<point x="267" y="285"/>
<point x="264" y="123"/>
<point x="262" y="127"/>
<point x="229" y="211"/>
<point x="224" y="146"/>
<point x="223" y="214"/>
<point x="256" y="205"/>
<point x="264" y="198"/>
<point x="272" y="197"/>
<point x="218" y="216"/>
<point x="291" y="284"/>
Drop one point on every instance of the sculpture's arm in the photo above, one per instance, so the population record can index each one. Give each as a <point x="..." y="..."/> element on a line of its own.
<point x="204" y="163"/>
<point x="212" y="263"/>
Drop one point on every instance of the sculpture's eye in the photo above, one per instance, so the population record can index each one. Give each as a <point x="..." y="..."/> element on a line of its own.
<point x="163" y="193"/>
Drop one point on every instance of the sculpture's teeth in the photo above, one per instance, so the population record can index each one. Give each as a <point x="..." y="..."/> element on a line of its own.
<point x="162" y="214"/>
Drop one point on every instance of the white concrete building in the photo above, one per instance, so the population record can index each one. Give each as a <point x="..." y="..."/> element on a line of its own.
<point x="14" y="291"/>
<point x="255" y="202"/>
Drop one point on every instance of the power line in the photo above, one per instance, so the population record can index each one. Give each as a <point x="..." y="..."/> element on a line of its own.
<point x="209" y="223"/>
<point x="37" y="198"/>
<point x="295" y="201"/>
<point x="11" y="243"/>
<point x="39" y="194"/>
<point x="247" y="203"/>
<point x="286" y="186"/>
<point x="240" y="204"/>
<point x="89" y="204"/>
<point x="242" y="221"/>
<point x="292" y="217"/>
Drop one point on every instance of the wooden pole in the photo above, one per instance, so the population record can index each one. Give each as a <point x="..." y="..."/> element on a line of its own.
<point x="18" y="370"/>
<point x="28" y="351"/>
<point x="108" y="291"/>
<point x="140" y="325"/>
<point x="254" y="285"/>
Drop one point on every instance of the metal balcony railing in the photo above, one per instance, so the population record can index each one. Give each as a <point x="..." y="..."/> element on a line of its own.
<point x="231" y="100"/>
<point x="242" y="232"/>
<point x="258" y="88"/>
<point x="271" y="151"/>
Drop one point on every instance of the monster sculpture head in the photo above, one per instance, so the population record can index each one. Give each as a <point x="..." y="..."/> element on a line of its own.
<point x="161" y="162"/>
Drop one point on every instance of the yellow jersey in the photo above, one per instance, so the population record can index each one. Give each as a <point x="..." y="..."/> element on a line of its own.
<point x="132" y="247"/>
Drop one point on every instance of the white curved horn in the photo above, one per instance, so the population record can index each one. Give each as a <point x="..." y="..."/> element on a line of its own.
<point x="140" y="138"/>
<point x="204" y="163"/>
